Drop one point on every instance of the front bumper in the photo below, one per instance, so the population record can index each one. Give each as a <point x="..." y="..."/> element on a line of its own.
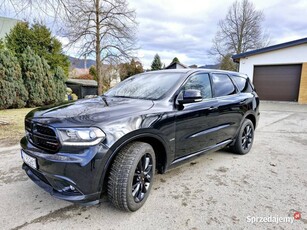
<point x="68" y="195"/>
<point x="74" y="176"/>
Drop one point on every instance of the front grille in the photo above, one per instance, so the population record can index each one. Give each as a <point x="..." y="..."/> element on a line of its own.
<point x="28" y="125"/>
<point x="42" y="136"/>
<point x="45" y="130"/>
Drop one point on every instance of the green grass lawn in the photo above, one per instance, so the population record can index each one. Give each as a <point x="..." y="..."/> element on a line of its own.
<point x="12" y="125"/>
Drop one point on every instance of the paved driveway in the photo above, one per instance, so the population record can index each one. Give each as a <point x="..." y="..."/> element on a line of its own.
<point x="216" y="190"/>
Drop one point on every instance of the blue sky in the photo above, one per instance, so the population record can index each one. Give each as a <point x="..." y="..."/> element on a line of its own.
<point x="185" y="29"/>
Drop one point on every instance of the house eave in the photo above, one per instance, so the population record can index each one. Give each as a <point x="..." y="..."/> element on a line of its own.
<point x="236" y="58"/>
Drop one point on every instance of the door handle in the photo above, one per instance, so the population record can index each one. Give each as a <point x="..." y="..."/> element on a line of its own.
<point x="212" y="108"/>
<point x="243" y="101"/>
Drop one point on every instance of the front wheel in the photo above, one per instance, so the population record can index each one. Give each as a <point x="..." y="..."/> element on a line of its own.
<point x="245" y="138"/>
<point x="131" y="176"/>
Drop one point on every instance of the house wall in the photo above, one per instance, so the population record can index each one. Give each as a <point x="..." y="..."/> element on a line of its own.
<point x="302" y="97"/>
<point x="291" y="55"/>
<point x="178" y="66"/>
<point x="6" y="24"/>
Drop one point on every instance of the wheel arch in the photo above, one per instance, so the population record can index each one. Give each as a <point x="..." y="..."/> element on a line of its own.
<point x="157" y="143"/>
<point x="252" y="118"/>
<point x="249" y="116"/>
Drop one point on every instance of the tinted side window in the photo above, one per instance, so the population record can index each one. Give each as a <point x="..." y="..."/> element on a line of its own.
<point x="200" y="82"/>
<point x="242" y="84"/>
<point x="223" y="86"/>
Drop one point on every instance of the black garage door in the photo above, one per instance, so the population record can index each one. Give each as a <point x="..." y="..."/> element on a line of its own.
<point x="278" y="82"/>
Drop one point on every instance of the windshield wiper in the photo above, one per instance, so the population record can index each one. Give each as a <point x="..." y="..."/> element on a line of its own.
<point x="105" y="100"/>
<point x="123" y="96"/>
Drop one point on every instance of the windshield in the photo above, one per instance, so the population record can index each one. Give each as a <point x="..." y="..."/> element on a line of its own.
<point x="150" y="86"/>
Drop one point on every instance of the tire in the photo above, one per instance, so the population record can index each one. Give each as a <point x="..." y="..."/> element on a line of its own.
<point x="131" y="176"/>
<point x="245" y="138"/>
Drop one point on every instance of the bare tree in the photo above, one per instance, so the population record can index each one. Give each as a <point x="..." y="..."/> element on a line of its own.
<point x="240" y="31"/>
<point x="101" y="28"/>
<point x="32" y="9"/>
<point x="104" y="29"/>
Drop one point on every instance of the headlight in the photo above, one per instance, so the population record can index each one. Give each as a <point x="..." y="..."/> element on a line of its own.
<point x="81" y="136"/>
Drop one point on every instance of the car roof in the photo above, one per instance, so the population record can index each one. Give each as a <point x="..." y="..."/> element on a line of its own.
<point x="191" y="71"/>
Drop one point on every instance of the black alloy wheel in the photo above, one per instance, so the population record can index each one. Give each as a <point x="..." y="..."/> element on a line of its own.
<point x="142" y="178"/>
<point x="131" y="176"/>
<point x="247" y="137"/>
<point x="244" y="139"/>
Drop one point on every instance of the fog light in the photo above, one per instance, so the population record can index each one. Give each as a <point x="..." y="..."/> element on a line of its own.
<point x="69" y="188"/>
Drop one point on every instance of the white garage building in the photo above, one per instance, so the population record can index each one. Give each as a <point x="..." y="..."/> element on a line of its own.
<point x="278" y="72"/>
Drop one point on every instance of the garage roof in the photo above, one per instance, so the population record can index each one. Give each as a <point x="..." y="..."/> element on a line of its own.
<point x="237" y="57"/>
<point x="82" y="82"/>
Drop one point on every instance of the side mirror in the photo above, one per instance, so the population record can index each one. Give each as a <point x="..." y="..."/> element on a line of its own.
<point x="189" y="96"/>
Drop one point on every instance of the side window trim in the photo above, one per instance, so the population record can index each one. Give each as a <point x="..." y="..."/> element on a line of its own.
<point x="213" y="85"/>
<point x="195" y="74"/>
<point x="234" y="84"/>
<point x="247" y="82"/>
<point x="232" y="78"/>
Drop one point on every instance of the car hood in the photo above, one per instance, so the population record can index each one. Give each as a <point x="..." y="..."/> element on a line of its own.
<point x="99" y="108"/>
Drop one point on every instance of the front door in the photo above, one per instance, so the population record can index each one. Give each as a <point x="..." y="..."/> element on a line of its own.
<point x="195" y="122"/>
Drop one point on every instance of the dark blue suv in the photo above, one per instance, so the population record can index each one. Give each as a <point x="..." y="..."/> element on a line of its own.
<point x="150" y="122"/>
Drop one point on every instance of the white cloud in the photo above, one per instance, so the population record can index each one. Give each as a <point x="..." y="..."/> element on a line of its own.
<point x="186" y="28"/>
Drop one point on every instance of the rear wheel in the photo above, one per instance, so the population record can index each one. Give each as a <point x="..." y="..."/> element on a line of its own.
<point x="131" y="176"/>
<point x="244" y="139"/>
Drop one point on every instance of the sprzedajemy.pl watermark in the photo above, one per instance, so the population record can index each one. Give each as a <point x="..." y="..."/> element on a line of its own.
<point x="273" y="219"/>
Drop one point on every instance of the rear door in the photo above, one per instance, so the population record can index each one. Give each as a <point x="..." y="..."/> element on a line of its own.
<point x="230" y="105"/>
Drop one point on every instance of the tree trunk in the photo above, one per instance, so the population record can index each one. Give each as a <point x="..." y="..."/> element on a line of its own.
<point x="98" y="60"/>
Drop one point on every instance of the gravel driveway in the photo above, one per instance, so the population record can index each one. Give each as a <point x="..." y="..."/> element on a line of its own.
<point x="216" y="190"/>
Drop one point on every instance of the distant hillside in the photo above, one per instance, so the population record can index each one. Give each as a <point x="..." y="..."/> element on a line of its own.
<point x="215" y="66"/>
<point x="79" y="63"/>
